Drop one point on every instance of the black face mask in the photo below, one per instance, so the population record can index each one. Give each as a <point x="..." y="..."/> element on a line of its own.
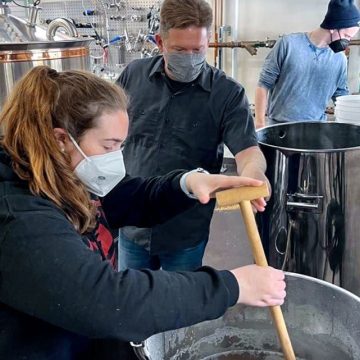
<point x="339" y="45"/>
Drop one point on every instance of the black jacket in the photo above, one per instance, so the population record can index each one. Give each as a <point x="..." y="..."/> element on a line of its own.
<point x="59" y="300"/>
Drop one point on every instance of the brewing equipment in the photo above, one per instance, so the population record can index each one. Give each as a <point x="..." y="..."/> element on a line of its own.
<point x="311" y="223"/>
<point x="24" y="45"/>
<point x="322" y="320"/>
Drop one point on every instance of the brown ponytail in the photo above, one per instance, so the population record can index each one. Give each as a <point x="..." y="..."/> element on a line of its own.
<point x="41" y="101"/>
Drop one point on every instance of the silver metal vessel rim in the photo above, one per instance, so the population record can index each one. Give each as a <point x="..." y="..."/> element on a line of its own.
<point x="325" y="283"/>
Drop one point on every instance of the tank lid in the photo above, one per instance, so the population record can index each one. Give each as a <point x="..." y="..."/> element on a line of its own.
<point x="310" y="136"/>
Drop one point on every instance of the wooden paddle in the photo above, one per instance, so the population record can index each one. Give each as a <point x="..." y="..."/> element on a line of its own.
<point x="243" y="196"/>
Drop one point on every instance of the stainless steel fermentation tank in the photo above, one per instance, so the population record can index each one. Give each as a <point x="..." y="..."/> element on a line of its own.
<point x="311" y="224"/>
<point x="24" y="45"/>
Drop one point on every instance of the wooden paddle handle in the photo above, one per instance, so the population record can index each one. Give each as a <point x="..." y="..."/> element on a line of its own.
<point x="260" y="259"/>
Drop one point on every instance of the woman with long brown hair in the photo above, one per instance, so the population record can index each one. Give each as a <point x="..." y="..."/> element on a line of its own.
<point x="60" y="296"/>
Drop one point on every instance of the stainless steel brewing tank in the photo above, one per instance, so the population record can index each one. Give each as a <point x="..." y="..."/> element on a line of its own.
<point x="311" y="224"/>
<point x="24" y="46"/>
<point x="322" y="319"/>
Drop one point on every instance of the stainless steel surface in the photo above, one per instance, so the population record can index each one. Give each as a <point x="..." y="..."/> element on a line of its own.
<point x="4" y="9"/>
<point x="24" y="46"/>
<point x="311" y="224"/>
<point x="33" y="15"/>
<point x="16" y="34"/>
<point x="323" y="322"/>
<point x="13" y="65"/>
<point x="61" y="23"/>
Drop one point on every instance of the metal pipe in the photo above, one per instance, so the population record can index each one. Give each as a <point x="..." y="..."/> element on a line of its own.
<point x="250" y="46"/>
<point x="220" y="35"/>
<point x="242" y="44"/>
<point x="220" y="51"/>
<point x="235" y="35"/>
<point x="4" y="9"/>
<point x="216" y="36"/>
<point x="221" y="12"/>
<point x="224" y="30"/>
<point x="33" y="14"/>
<point x="256" y="44"/>
<point x="63" y="23"/>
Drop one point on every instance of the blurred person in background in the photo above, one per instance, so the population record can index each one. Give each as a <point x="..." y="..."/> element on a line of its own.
<point x="305" y="70"/>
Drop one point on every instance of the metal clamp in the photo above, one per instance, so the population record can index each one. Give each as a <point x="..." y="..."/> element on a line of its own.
<point x="302" y="205"/>
<point x="304" y="202"/>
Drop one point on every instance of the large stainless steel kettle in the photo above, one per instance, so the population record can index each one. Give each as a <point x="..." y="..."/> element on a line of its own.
<point x="24" y="45"/>
<point x="311" y="223"/>
<point x="322" y="319"/>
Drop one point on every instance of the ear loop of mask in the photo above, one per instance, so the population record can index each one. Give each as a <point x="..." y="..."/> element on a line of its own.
<point x="338" y="33"/>
<point x="79" y="148"/>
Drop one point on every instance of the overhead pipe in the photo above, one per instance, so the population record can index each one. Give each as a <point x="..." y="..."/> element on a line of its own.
<point x="250" y="46"/>
<point x="64" y="24"/>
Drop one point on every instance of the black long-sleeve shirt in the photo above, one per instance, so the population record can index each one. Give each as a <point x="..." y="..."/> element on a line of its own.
<point x="58" y="298"/>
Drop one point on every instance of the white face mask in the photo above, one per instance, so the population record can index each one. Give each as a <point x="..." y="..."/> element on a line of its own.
<point x="100" y="173"/>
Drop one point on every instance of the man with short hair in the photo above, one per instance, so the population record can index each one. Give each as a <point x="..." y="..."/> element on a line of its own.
<point x="305" y="70"/>
<point x="182" y="111"/>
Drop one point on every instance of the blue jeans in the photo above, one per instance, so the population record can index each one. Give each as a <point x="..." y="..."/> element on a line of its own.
<point x="134" y="256"/>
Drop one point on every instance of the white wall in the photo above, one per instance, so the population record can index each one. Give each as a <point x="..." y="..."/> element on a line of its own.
<point x="258" y="19"/>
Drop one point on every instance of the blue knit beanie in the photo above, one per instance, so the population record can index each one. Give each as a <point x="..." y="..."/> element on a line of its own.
<point x="341" y="14"/>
